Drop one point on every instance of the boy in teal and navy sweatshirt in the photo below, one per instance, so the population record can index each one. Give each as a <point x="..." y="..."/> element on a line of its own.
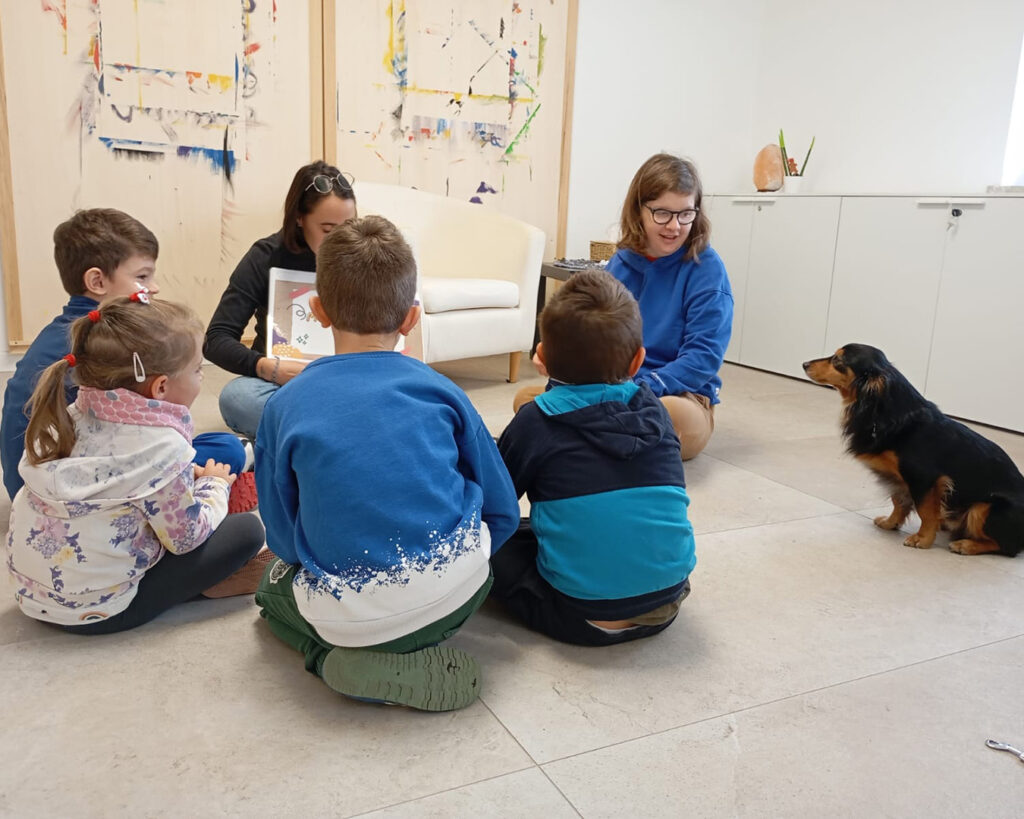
<point x="607" y="552"/>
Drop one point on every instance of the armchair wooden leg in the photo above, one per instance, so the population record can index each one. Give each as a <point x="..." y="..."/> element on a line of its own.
<point x="513" y="366"/>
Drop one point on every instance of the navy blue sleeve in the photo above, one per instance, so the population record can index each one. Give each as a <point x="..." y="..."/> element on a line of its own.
<point x="50" y="345"/>
<point x="517" y="447"/>
<point x="481" y="462"/>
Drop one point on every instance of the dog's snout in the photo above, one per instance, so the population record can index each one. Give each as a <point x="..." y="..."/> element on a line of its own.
<point x="806" y="364"/>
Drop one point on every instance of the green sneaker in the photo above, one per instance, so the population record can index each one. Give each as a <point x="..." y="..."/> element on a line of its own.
<point x="438" y="678"/>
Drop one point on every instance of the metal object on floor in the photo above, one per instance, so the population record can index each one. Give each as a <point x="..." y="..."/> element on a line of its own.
<point x="1002" y="746"/>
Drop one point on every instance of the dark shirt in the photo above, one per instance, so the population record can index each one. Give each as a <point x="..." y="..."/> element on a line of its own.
<point x="52" y="344"/>
<point x="248" y="295"/>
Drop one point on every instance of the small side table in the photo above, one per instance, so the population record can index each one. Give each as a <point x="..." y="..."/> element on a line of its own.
<point x="551" y="271"/>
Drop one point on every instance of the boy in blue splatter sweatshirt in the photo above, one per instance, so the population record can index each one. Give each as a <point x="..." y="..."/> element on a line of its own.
<point x="381" y="490"/>
<point x="608" y="549"/>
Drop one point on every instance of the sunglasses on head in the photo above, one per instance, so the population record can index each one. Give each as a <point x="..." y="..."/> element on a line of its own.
<point x="323" y="183"/>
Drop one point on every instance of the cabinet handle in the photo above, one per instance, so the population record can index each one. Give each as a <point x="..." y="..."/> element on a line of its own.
<point x="754" y="200"/>
<point x="937" y="202"/>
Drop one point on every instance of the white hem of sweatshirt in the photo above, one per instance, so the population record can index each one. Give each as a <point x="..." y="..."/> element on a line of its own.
<point x="346" y="621"/>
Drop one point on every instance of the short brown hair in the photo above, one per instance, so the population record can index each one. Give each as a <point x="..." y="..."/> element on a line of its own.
<point x="663" y="173"/>
<point x="98" y="237"/>
<point x="164" y="334"/>
<point x="302" y="197"/>
<point x="366" y="276"/>
<point x="591" y="329"/>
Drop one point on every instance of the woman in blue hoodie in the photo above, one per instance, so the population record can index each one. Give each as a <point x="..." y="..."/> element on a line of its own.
<point x="665" y="260"/>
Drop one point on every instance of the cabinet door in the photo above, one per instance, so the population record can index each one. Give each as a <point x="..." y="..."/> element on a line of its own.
<point x="792" y="247"/>
<point x="885" y="281"/>
<point x="975" y="370"/>
<point x="731" y="221"/>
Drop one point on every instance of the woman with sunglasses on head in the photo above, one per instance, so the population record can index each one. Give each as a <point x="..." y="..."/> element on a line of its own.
<point x="320" y="198"/>
<point x="665" y="260"/>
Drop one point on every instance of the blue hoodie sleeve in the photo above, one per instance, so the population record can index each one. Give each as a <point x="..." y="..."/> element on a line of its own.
<point x="277" y="489"/>
<point x="481" y="462"/>
<point x="707" y="322"/>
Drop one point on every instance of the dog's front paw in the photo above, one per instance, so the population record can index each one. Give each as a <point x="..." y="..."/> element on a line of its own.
<point x="966" y="546"/>
<point x="919" y="541"/>
<point x="886" y="522"/>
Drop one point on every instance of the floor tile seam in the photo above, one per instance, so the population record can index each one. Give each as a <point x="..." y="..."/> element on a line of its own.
<point x="728" y="448"/>
<point x="772" y="523"/>
<point x="777" y="700"/>
<point x="452" y="789"/>
<point x="778" y="482"/>
<point x="508" y="731"/>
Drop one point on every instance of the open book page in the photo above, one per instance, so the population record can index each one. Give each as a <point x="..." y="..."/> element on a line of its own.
<point x="294" y="332"/>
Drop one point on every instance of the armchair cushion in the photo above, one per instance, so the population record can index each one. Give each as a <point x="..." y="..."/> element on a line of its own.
<point x="442" y="295"/>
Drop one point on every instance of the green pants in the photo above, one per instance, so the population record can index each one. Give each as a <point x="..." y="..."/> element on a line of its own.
<point x="276" y="600"/>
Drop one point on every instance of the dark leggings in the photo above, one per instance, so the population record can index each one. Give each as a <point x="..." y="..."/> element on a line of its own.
<point x="177" y="578"/>
<point x="527" y="595"/>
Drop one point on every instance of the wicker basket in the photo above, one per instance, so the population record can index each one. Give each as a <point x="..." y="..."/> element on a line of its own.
<point x="601" y="251"/>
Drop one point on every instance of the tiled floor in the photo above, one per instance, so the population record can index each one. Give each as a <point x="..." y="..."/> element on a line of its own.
<point x="818" y="669"/>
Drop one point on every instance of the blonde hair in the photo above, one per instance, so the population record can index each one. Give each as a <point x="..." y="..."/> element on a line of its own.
<point x="164" y="334"/>
<point x="663" y="173"/>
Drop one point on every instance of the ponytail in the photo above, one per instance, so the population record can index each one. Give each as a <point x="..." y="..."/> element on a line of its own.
<point x="51" y="432"/>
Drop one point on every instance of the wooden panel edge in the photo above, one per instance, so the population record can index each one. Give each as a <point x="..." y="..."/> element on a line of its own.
<point x="569" y="84"/>
<point x="329" y="88"/>
<point x="8" y="236"/>
<point x="316" y="79"/>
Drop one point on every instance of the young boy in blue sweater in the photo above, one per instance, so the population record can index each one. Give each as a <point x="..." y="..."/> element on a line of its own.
<point x="608" y="549"/>
<point x="100" y="253"/>
<point x="381" y="490"/>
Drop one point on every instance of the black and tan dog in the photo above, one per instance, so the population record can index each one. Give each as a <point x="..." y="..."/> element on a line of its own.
<point x="952" y="476"/>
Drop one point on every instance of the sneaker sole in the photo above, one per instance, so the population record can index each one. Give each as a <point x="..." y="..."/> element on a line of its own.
<point x="243" y="497"/>
<point x="438" y="678"/>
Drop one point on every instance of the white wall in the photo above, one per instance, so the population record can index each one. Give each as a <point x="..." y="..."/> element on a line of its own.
<point x="657" y="75"/>
<point x="907" y="97"/>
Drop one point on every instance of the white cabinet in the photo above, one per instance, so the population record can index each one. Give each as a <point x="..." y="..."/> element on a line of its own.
<point x="885" y="281"/>
<point x="975" y="369"/>
<point x="731" y="221"/>
<point x="792" y="245"/>
<point x="942" y="294"/>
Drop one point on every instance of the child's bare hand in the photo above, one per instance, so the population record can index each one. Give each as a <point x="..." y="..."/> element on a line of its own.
<point x="213" y="469"/>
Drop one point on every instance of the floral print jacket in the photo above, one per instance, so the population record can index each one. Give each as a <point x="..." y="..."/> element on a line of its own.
<point x="86" y="528"/>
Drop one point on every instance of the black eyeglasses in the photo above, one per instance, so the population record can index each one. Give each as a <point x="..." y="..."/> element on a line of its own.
<point x="325" y="184"/>
<point x="662" y="216"/>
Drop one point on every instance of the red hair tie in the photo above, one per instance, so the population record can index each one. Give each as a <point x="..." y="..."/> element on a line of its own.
<point x="70" y="358"/>
<point x="94" y="316"/>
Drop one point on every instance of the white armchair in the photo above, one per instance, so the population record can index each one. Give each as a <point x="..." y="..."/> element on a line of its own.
<point x="478" y="272"/>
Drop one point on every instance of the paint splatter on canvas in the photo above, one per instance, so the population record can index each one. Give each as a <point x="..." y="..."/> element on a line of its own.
<point x="441" y="94"/>
<point x="166" y="81"/>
